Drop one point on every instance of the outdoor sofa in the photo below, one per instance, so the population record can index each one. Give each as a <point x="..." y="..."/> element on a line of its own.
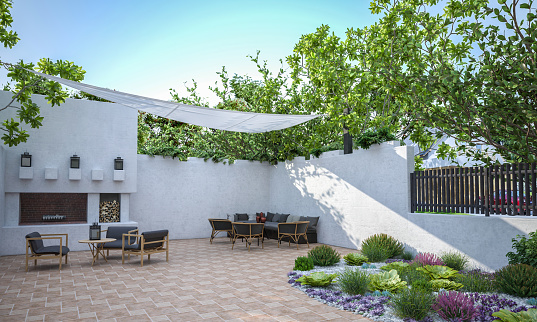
<point x="273" y="219"/>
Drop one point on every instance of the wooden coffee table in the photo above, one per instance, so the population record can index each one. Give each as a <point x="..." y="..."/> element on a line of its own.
<point x="96" y="247"/>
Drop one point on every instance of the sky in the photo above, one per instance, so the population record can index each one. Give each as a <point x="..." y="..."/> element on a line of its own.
<point x="148" y="47"/>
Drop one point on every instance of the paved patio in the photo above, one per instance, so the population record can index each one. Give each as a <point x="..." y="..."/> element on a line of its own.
<point x="200" y="282"/>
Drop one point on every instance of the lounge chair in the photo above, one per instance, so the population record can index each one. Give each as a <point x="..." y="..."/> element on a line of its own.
<point x="293" y="231"/>
<point x="34" y="242"/>
<point x="248" y="231"/>
<point x="117" y="233"/>
<point x="149" y="242"/>
<point x="219" y="225"/>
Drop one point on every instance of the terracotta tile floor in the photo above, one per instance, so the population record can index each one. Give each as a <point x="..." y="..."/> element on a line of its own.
<point x="200" y="282"/>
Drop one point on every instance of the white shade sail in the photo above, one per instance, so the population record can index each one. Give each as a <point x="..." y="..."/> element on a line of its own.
<point x="197" y="115"/>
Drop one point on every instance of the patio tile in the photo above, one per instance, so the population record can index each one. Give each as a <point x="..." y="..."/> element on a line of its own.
<point x="192" y="286"/>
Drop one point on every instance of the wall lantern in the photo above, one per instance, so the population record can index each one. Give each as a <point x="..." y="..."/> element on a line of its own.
<point x="26" y="159"/>
<point x="118" y="163"/>
<point x="75" y="162"/>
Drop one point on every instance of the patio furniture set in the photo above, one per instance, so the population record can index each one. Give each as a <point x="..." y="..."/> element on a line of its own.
<point x="126" y="239"/>
<point x="282" y="227"/>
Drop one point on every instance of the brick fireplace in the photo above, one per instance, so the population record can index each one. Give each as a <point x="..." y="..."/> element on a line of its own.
<point x="53" y="208"/>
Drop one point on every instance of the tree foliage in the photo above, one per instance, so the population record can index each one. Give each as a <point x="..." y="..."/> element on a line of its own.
<point x="470" y="71"/>
<point x="26" y="84"/>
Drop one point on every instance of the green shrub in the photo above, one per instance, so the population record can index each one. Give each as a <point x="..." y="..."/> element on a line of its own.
<point x="387" y="281"/>
<point x="303" y="263"/>
<point x="423" y="286"/>
<point x="355" y="259"/>
<point x="526" y="250"/>
<point x="324" y="255"/>
<point x="317" y="279"/>
<point x="476" y="281"/>
<point x="518" y="279"/>
<point x="353" y="281"/>
<point x="375" y="254"/>
<point x="438" y="272"/>
<point x="445" y="284"/>
<point x="455" y="260"/>
<point x="390" y="245"/>
<point x="407" y="256"/>
<point x="412" y="303"/>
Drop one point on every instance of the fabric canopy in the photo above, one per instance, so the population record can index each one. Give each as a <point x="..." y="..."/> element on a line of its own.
<point x="197" y="115"/>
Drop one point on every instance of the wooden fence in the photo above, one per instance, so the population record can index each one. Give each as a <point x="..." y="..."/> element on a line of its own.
<point x="501" y="189"/>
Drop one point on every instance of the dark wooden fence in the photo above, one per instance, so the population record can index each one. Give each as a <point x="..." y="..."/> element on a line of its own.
<point x="501" y="189"/>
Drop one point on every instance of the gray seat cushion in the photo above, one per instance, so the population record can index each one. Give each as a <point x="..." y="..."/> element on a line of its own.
<point x="117" y="244"/>
<point x="150" y="236"/>
<point x="271" y="225"/>
<point x="117" y="233"/>
<point x="52" y="250"/>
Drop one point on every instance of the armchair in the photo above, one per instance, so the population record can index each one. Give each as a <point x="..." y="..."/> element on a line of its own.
<point x="34" y="242"/>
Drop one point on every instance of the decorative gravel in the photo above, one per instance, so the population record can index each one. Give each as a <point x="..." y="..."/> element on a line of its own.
<point x="376" y="308"/>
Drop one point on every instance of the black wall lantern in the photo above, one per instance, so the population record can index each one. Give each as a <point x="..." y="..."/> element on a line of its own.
<point x="26" y="159"/>
<point x="75" y="162"/>
<point x="118" y="163"/>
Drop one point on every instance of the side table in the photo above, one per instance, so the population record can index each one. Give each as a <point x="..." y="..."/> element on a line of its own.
<point x="96" y="247"/>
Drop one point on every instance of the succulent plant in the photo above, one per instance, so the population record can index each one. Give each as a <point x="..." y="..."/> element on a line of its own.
<point x="522" y="316"/>
<point x="436" y="272"/>
<point x="355" y="259"/>
<point x="317" y="279"/>
<point x="387" y="281"/>
<point x="445" y="284"/>
<point x="394" y="265"/>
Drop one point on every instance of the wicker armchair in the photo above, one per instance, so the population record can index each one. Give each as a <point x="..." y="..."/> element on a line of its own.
<point x="248" y="231"/>
<point x="219" y="225"/>
<point x="293" y="231"/>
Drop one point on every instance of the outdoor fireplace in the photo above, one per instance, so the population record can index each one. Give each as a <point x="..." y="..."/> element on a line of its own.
<point x="109" y="207"/>
<point x="53" y="208"/>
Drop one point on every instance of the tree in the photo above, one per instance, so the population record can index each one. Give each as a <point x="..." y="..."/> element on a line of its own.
<point x="470" y="71"/>
<point x="27" y="84"/>
<point x="339" y="80"/>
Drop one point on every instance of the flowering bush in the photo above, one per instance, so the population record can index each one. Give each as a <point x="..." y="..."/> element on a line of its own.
<point x="455" y="306"/>
<point x="423" y="259"/>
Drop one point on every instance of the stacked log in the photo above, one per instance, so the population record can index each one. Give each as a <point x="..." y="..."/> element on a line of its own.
<point x="109" y="211"/>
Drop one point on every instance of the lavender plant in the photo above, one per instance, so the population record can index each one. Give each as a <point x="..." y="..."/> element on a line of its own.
<point x="455" y="306"/>
<point x="371" y="306"/>
<point x="488" y="304"/>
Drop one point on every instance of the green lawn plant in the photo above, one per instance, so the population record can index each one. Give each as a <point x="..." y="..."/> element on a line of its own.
<point x="353" y="281"/>
<point x="476" y="281"/>
<point x="375" y="254"/>
<point x="518" y="279"/>
<point x="355" y="259"/>
<point x="522" y="316"/>
<point x="317" y="279"/>
<point x="438" y="272"/>
<point x="392" y="246"/>
<point x="456" y="260"/>
<point x="412" y="303"/>
<point x="387" y="281"/>
<point x="324" y="255"/>
<point x="303" y="263"/>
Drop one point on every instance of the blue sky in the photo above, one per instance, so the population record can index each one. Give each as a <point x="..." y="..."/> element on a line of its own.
<point x="148" y="47"/>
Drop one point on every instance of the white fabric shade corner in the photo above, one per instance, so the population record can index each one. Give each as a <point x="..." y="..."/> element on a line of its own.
<point x="203" y="116"/>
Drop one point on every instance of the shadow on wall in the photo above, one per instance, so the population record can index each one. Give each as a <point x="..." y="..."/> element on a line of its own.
<point x="367" y="192"/>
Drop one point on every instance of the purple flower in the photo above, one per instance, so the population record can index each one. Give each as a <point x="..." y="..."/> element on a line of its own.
<point x="455" y="306"/>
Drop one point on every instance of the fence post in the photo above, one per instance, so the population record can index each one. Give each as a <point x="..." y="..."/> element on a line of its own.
<point x="486" y="197"/>
<point x="413" y="193"/>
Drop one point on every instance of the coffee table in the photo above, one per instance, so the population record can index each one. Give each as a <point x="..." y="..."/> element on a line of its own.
<point x="96" y="247"/>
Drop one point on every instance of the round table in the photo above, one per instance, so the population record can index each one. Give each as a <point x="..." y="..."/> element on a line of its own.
<point x="96" y="247"/>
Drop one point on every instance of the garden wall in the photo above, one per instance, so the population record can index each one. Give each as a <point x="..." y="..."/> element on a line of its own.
<point x="182" y="196"/>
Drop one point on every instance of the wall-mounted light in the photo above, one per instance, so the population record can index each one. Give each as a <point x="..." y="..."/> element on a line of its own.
<point x="118" y="163"/>
<point x="75" y="162"/>
<point x="26" y="159"/>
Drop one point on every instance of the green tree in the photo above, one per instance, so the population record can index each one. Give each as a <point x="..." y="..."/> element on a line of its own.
<point x="26" y="84"/>
<point x="470" y="71"/>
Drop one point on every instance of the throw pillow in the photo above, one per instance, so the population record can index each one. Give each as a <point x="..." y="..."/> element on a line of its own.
<point x="313" y="221"/>
<point x="241" y="217"/>
<point x="269" y="216"/>
<point x="276" y="218"/>
<point x="293" y="218"/>
<point x="283" y="217"/>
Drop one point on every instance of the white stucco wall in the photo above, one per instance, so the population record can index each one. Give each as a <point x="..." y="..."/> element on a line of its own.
<point x="182" y="196"/>
<point x="98" y="133"/>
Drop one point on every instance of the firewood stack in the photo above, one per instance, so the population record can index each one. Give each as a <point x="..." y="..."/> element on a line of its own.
<point x="109" y="211"/>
